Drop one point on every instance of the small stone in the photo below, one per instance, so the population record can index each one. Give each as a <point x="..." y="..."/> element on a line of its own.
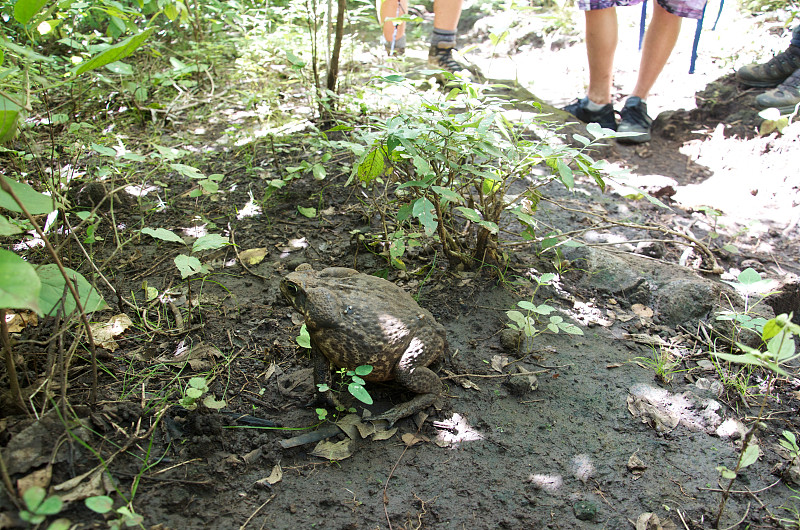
<point x="510" y="339"/>
<point x="519" y="385"/>
<point x="585" y="510"/>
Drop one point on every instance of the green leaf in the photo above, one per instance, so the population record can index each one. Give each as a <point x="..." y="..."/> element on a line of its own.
<point x="194" y="393"/>
<point x="581" y="139"/>
<point x="33" y="497"/>
<point x="304" y="339"/>
<point x="212" y="403"/>
<point x="371" y="167"/>
<point x="364" y="369"/>
<point x="750" y="455"/>
<point x="726" y="473"/>
<point x="7" y="228"/>
<point x="307" y="212"/>
<point x="199" y="382"/>
<point x="120" y="68"/>
<point x="517" y="317"/>
<point x="447" y="194"/>
<point x="9" y="116"/>
<point x="470" y="213"/>
<point x="188" y="171"/>
<point x="53" y="289"/>
<point x="103" y="150"/>
<point x="36" y="203"/>
<point x="423" y="210"/>
<point x="51" y="506"/>
<point x="163" y="234"/>
<point x="209" y="242"/>
<point x="360" y="393"/>
<point x="749" y="276"/>
<point x="318" y="172"/>
<point x="99" y="503"/>
<point x="19" y="283"/>
<point x="189" y="266"/>
<point x="25" y="10"/>
<point x="116" y="52"/>
<point x="565" y="173"/>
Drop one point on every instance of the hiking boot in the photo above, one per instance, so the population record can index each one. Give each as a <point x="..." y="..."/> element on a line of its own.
<point x="785" y="97"/>
<point x="604" y="117"/>
<point x="635" y="120"/>
<point x="440" y="56"/>
<point x="773" y="72"/>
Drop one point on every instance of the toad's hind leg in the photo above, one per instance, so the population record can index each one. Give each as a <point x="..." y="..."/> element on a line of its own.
<point x="421" y="380"/>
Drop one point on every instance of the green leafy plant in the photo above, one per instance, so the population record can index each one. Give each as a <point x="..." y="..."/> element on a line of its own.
<point x="352" y="380"/>
<point x="189" y="265"/>
<point x="528" y="322"/>
<point x="103" y="504"/>
<point x="779" y="336"/>
<point x="789" y="443"/>
<point x="662" y="362"/>
<point x="451" y="167"/>
<point x="38" y="505"/>
<point x="749" y="283"/>
<point x="196" y="389"/>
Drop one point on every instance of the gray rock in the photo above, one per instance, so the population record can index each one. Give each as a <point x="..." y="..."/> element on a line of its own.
<point x="585" y="510"/>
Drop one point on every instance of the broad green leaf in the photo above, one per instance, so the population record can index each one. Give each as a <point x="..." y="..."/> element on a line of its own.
<point x="782" y="346"/>
<point x="423" y="210"/>
<point x="103" y="150"/>
<point x="9" y="116"/>
<point x="36" y="203"/>
<point x="199" y="383"/>
<point x="53" y="291"/>
<point x="7" y="228"/>
<point x="304" y="339"/>
<point x="194" y="393"/>
<point x="212" y="403"/>
<point x="360" y="393"/>
<point x="25" y="51"/>
<point x="750" y="455"/>
<point x="100" y="503"/>
<point x="50" y="506"/>
<point x="163" y="234"/>
<point x="749" y="276"/>
<point x="371" y="167"/>
<point x="447" y="194"/>
<point x="19" y="283"/>
<point x="116" y="52"/>
<point x="318" y="172"/>
<point x="307" y="212"/>
<point x="581" y="139"/>
<point x="572" y="329"/>
<point x="33" y="497"/>
<point x="726" y="473"/>
<point x="565" y="173"/>
<point x="470" y="213"/>
<point x="517" y="317"/>
<point x="25" y="10"/>
<point x="120" y="68"/>
<point x="189" y="266"/>
<point x="209" y="242"/>
<point x="364" y="369"/>
<point x="188" y="171"/>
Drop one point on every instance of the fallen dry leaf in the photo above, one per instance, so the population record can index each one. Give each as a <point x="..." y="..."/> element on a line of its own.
<point x="253" y="256"/>
<point x="104" y="332"/>
<point x="16" y="322"/>
<point x="499" y="362"/>
<point x="334" y="450"/>
<point x="413" y="439"/>
<point x="273" y="478"/>
<point x="642" y="311"/>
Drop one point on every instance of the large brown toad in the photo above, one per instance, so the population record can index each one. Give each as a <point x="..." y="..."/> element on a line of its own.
<point x="356" y="319"/>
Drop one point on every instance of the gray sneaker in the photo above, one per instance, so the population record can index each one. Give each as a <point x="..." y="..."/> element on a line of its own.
<point x="773" y="72"/>
<point x="785" y="97"/>
<point x="634" y="120"/>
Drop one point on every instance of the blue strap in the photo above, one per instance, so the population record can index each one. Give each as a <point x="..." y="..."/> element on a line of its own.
<point x="697" y="40"/>
<point x="642" y="23"/>
<point x="719" y="14"/>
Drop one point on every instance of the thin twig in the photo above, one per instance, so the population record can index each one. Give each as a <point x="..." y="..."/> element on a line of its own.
<point x="257" y="510"/>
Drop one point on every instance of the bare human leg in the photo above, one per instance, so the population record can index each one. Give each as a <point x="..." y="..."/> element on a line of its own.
<point x="659" y="41"/>
<point x="601" y="43"/>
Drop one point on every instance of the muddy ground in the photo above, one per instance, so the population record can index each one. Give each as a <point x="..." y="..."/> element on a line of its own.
<point x="595" y="440"/>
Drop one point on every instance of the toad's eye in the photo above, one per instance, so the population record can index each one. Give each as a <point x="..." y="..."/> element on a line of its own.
<point x="292" y="288"/>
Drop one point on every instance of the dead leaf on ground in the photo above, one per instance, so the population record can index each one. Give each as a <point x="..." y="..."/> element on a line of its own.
<point x="651" y="521"/>
<point x="75" y="489"/>
<point x="16" y="322"/>
<point x="499" y="362"/>
<point x="352" y="426"/>
<point x="273" y="478"/>
<point x="613" y="365"/>
<point x="413" y="439"/>
<point x="253" y="256"/>
<point x="253" y="456"/>
<point x="463" y="381"/>
<point x="103" y="333"/>
<point x="200" y="356"/>
<point x="40" y="477"/>
<point x="384" y="434"/>
<point x="636" y="466"/>
<point x="269" y="372"/>
<point x="642" y="311"/>
<point x="334" y="450"/>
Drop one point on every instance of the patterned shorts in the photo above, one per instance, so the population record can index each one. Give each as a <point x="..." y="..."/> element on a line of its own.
<point x="682" y="8"/>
